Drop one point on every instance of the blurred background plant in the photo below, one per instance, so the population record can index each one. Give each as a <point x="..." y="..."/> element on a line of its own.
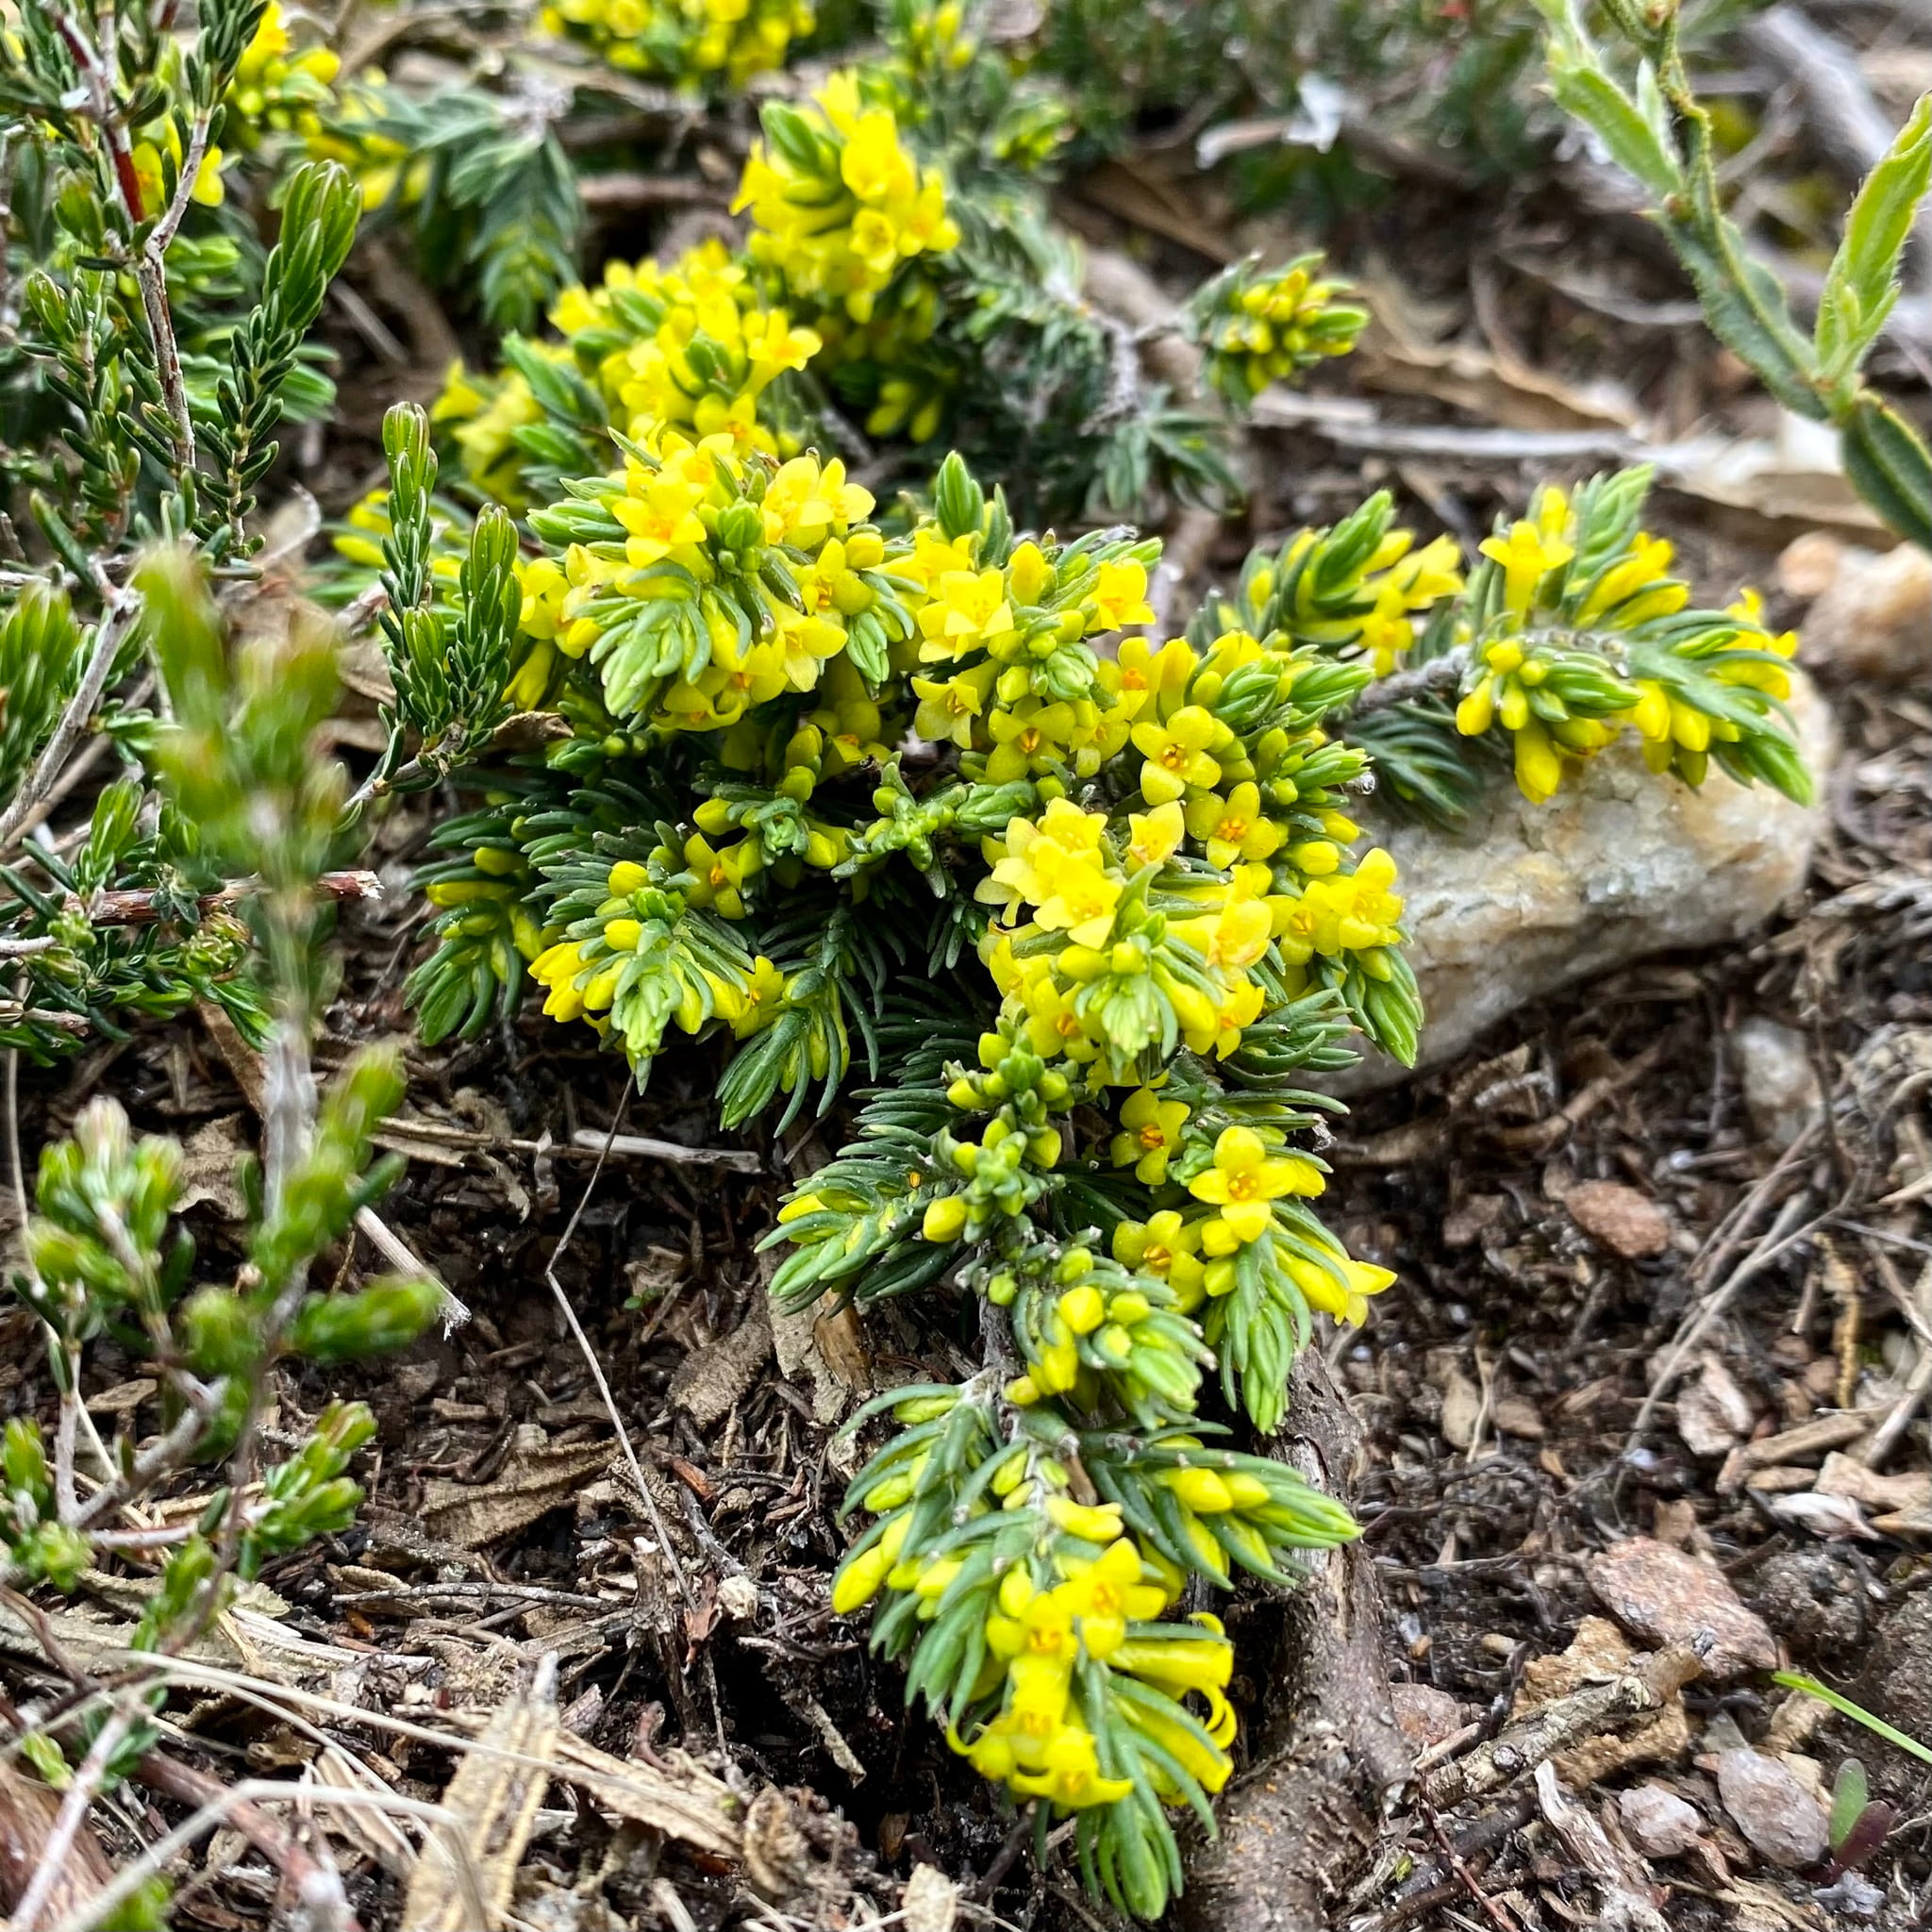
<point x="1665" y="137"/>
<point x="107" y="1261"/>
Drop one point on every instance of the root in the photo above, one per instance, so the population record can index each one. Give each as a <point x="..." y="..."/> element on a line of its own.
<point x="1327" y="1746"/>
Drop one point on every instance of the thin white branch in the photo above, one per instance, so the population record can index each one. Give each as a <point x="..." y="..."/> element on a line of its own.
<point x="72" y="1815"/>
<point x="123" y="607"/>
<point x="151" y="270"/>
<point x="325" y="1910"/>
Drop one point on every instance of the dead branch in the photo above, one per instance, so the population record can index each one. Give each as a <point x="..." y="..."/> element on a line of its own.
<point x="1561" y="1723"/>
<point x="1432" y="680"/>
<point x="152" y="908"/>
<point x="306" y="1877"/>
<point x="1626" y="1899"/>
<point x="1852" y="128"/>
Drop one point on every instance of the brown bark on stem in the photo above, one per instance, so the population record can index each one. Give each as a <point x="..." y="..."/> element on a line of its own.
<point x="1298" y="1824"/>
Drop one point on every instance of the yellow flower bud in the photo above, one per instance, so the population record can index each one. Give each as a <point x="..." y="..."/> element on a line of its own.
<point x="858" y="1579"/>
<point x="1082" y="1309"/>
<point x="1201" y="1489"/>
<point x="945" y="1218"/>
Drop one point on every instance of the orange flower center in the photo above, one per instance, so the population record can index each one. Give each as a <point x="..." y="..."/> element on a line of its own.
<point x="1151" y="1137"/>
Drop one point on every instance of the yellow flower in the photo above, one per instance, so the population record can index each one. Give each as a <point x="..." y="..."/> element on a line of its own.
<point x="947" y="710"/>
<point x="1189" y="1743"/>
<point x="1152" y="836"/>
<point x="758" y="1001"/>
<point x="1528" y="554"/>
<point x="1070" y="1773"/>
<point x="1055" y="1029"/>
<point x="1166" y="1247"/>
<point x="1177" y="754"/>
<point x="1060" y="868"/>
<point x="1646" y="564"/>
<point x="1346" y="1298"/>
<point x="1151" y="1132"/>
<point x="840" y="236"/>
<point x="658" y="511"/>
<point x="1345" y="912"/>
<point x="1120" y="597"/>
<point x="1152" y="678"/>
<point x="1027" y="737"/>
<point x="1234" y="938"/>
<point x="968" y="609"/>
<point x="1233" y="828"/>
<point x="557" y="968"/>
<point x="719" y="878"/>
<point x="1244" y="1178"/>
<point x="804" y="502"/>
<point x="1106" y="1594"/>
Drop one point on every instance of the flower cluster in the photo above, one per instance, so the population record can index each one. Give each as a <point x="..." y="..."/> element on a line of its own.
<point x="869" y="287"/>
<point x="1575" y="631"/>
<point x="1029" y="1577"/>
<point x="1358" y="590"/>
<point x="804" y="752"/>
<point x="691" y="345"/>
<point x="276" y="89"/>
<point x="838" y="205"/>
<point x="698" y="43"/>
<point x="1258" y="325"/>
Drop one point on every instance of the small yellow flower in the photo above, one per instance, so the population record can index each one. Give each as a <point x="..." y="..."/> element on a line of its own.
<point x="759" y="1001"/>
<point x="1233" y="828"/>
<point x="1120" y="597"/>
<point x="1527" y="553"/>
<point x="1166" y="1247"/>
<point x="1152" y="836"/>
<point x="1150" y="1131"/>
<point x="1345" y="1298"/>
<point x="719" y="878"/>
<point x="948" y="709"/>
<point x="1244" y="1178"/>
<point x="1177" y="754"/>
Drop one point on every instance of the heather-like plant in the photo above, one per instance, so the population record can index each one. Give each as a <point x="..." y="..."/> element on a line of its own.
<point x="104" y="1257"/>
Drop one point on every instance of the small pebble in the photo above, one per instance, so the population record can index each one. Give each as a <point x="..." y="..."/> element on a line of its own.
<point x="1780" y="1084"/>
<point x="1770" y="1804"/>
<point x="1658" y="1823"/>
<point x="1871" y="620"/>
<point x="1626" y="1221"/>
<point x="1426" y="1714"/>
<point x="1667" y="1596"/>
